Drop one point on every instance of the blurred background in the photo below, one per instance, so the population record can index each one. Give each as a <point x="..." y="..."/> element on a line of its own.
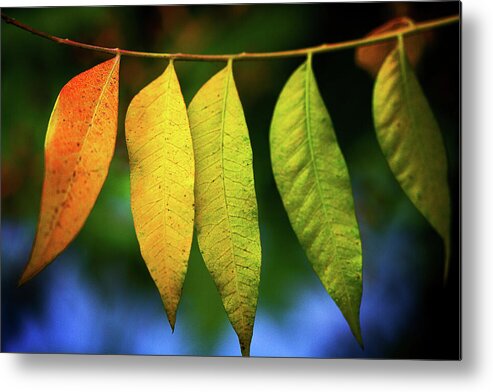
<point x="98" y="297"/>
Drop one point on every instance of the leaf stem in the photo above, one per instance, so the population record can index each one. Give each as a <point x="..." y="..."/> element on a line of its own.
<point x="309" y="56"/>
<point x="323" y="48"/>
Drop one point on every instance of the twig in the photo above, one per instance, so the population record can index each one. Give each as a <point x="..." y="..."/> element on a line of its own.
<point x="416" y="28"/>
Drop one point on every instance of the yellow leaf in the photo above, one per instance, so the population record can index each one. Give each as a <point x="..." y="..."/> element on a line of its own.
<point x="162" y="178"/>
<point x="226" y="206"/>
<point x="79" y="146"/>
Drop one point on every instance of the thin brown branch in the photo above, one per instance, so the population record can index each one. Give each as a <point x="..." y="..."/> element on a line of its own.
<point x="416" y="28"/>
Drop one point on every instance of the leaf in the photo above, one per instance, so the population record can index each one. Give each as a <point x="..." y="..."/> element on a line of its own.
<point x="161" y="182"/>
<point x="313" y="181"/>
<point x="412" y="143"/>
<point x="226" y="206"/>
<point x="371" y="57"/>
<point x="79" y="146"/>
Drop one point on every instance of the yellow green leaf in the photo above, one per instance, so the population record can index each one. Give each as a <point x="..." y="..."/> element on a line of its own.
<point x="313" y="181"/>
<point x="79" y="146"/>
<point x="226" y="207"/>
<point x="161" y="183"/>
<point x="411" y="142"/>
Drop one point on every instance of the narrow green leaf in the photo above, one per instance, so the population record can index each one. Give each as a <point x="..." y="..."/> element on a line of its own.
<point x="160" y="151"/>
<point x="225" y="203"/>
<point x="412" y="143"/>
<point x="313" y="181"/>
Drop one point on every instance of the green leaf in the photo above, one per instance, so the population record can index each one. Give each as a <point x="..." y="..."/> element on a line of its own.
<point x="161" y="183"/>
<point x="313" y="181"/>
<point x="412" y="143"/>
<point x="225" y="203"/>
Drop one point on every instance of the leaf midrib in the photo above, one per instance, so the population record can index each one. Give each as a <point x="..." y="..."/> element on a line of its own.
<point x="308" y="71"/>
<point x="309" y="131"/>
<point x="230" y="231"/>
<point x="405" y="86"/>
<point x="413" y="128"/>
<point x="165" y="201"/>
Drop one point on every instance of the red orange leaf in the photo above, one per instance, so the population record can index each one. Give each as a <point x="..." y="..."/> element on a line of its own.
<point x="79" y="145"/>
<point x="371" y="57"/>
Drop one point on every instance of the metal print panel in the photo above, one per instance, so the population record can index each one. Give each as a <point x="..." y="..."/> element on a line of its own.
<point x="232" y="180"/>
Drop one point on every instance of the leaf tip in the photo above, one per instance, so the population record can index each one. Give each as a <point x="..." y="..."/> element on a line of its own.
<point x="25" y="277"/>
<point x="245" y="349"/>
<point x="354" y="324"/>
<point x="171" y="315"/>
<point x="172" y="324"/>
<point x="355" y="327"/>
<point x="359" y="339"/>
<point x="20" y="282"/>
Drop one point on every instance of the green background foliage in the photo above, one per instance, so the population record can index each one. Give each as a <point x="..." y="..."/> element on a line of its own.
<point x="107" y="253"/>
